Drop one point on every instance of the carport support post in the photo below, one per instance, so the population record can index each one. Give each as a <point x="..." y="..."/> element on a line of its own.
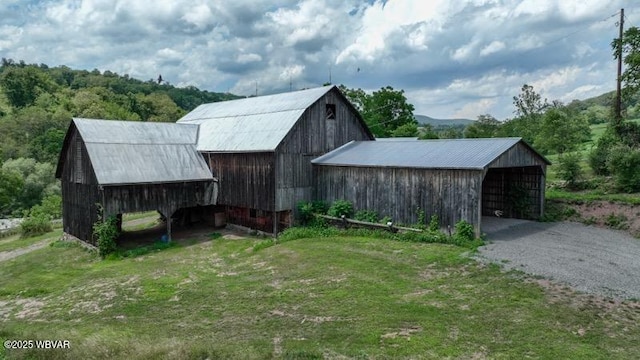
<point x="167" y="214"/>
<point x="168" y="228"/>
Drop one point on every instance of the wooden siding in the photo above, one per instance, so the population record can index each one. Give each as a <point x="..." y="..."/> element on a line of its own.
<point x="518" y="156"/>
<point x="452" y="195"/>
<point x="81" y="193"/>
<point x="79" y="190"/>
<point x="499" y="184"/>
<point x="166" y="198"/>
<point x="312" y="136"/>
<point x="244" y="179"/>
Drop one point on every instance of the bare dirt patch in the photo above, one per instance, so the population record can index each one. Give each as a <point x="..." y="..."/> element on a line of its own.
<point x="8" y="255"/>
<point x="611" y="215"/>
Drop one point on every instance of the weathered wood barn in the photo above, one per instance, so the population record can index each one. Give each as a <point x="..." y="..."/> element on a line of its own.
<point x="260" y="149"/>
<point x="460" y="179"/>
<point x="128" y="167"/>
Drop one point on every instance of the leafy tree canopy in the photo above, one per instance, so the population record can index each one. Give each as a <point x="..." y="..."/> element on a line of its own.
<point x="384" y="111"/>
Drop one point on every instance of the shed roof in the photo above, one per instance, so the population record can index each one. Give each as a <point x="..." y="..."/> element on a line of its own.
<point x="251" y="124"/>
<point x="439" y="154"/>
<point x="130" y="152"/>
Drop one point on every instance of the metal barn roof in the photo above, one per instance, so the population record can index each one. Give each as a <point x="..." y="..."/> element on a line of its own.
<point x="438" y="154"/>
<point x="127" y="152"/>
<point x="251" y="124"/>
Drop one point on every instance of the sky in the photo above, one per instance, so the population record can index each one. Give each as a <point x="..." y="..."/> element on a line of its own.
<point x="453" y="59"/>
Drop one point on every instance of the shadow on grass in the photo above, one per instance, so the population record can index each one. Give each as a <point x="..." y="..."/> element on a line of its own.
<point x="137" y="243"/>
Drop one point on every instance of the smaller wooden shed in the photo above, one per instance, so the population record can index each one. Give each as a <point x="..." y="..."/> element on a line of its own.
<point x="454" y="179"/>
<point x="126" y="166"/>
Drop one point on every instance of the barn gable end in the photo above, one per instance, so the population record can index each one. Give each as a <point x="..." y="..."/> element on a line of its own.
<point x="129" y="167"/>
<point x="261" y="149"/>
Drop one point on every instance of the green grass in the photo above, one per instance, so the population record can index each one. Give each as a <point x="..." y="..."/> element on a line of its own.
<point x="559" y="194"/>
<point x="15" y="242"/>
<point x="351" y="297"/>
<point x="597" y="131"/>
<point x="139" y="215"/>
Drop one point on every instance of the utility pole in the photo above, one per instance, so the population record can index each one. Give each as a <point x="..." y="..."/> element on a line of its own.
<point x="618" y="108"/>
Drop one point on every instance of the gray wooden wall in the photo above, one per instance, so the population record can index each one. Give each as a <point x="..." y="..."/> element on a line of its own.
<point x="312" y="136"/>
<point x="452" y="195"/>
<point x="79" y="190"/>
<point x="244" y="179"/>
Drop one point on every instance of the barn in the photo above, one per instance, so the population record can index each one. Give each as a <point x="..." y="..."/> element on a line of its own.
<point x="127" y="167"/>
<point x="458" y="179"/>
<point x="260" y="149"/>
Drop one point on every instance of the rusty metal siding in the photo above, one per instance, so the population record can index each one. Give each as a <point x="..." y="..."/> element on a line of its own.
<point x="452" y="195"/>
<point x="312" y="136"/>
<point x="245" y="179"/>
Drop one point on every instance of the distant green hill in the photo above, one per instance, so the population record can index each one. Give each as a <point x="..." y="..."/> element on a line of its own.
<point x="423" y="119"/>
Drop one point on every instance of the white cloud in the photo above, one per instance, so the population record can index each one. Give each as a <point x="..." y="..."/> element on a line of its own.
<point x="451" y="57"/>
<point x="473" y="109"/>
<point x="247" y="58"/>
<point x="494" y="47"/>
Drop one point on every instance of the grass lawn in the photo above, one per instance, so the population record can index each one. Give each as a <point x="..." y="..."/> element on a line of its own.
<point x="312" y="298"/>
<point x="14" y="242"/>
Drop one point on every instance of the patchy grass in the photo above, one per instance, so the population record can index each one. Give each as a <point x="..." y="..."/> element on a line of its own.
<point x="587" y="196"/>
<point x="333" y="297"/>
<point x="15" y="242"/>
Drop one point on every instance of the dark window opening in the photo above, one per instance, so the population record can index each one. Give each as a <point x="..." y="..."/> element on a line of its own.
<point x="331" y="111"/>
<point x="252" y="213"/>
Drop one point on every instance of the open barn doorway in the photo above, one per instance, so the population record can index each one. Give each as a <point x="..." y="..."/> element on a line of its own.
<point x="147" y="228"/>
<point x="513" y="192"/>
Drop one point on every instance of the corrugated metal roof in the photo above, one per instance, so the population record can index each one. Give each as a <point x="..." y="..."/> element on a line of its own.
<point x="126" y="152"/>
<point x="438" y="154"/>
<point x="251" y="124"/>
<point x="397" y="139"/>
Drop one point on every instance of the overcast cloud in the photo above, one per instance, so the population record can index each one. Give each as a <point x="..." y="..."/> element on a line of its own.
<point x="453" y="58"/>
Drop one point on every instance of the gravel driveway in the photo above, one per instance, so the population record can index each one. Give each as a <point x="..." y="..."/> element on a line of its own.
<point x="590" y="259"/>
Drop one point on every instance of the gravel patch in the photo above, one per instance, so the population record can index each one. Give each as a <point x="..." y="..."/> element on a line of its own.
<point x="592" y="260"/>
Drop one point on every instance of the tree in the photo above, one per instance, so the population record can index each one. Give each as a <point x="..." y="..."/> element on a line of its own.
<point x="630" y="53"/>
<point x="22" y="85"/>
<point x="406" y="130"/>
<point x="384" y="110"/>
<point x="559" y="132"/>
<point x="529" y="109"/>
<point x="528" y="102"/>
<point x="427" y="132"/>
<point x="11" y="183"/>
<point x="485" y="127"/>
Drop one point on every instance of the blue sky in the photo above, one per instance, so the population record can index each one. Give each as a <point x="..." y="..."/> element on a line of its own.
<point x="452" y="58"/>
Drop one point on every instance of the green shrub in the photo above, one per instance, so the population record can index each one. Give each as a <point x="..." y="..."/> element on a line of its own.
<point x="599" y="155"/>
<point x="617" y="221"/>
<point x="422" y="219"/>
<point x="319" y="207"/>
<point x="106" y="232"/>
<point x="385" y="220"/>
<point x="37" y="220"/>
<point x="306" y="212"/>
<point x="35" y="224"/>
<point x="464" y="233"/>
<point x="367" y="215"/>
<point x="569" y="168"/>
<point x="434" y="224"/>
<point x="341" y="207"/>
<point x="624" y="164"/>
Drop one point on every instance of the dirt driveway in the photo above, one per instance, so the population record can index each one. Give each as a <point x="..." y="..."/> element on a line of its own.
<point x="590" y="259"/>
